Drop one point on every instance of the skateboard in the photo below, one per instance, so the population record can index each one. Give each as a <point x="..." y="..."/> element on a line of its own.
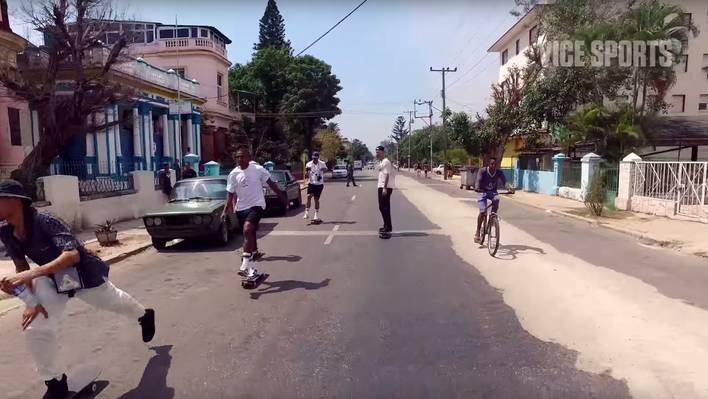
<point x="316" y="221"/>
<point x="251" y="283"/>
<point x="384" y="235"/>
<point x="82" y="381"/>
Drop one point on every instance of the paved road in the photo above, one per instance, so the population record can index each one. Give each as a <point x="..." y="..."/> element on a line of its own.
<point x="343" y="314"/>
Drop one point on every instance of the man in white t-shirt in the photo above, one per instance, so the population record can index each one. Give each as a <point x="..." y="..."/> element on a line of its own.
<point x="314" y="172"/>
<point x="244" y="187"/>
<point x="387" y="180"/>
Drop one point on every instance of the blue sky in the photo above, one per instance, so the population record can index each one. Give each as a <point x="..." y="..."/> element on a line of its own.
<point x="381" y="53"/>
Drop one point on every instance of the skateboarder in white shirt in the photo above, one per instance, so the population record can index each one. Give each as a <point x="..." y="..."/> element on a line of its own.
<point x="314" y="172"/>
<point x="245" y="188"/>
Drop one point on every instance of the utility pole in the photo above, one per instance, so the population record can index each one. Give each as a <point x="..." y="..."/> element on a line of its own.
<point x="410" y="136"/>
<point x="430" y="124"/>
<point x="443" y="71"/>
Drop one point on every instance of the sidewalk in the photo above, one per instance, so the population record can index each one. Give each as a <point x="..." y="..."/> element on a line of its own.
<point x="681" y="235"/>
<point x="132" y="236"/>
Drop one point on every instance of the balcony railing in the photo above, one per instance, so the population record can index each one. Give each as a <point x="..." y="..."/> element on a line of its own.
<point x="179" y="44"/>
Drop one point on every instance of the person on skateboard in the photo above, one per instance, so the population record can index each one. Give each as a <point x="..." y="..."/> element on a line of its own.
<point x="244" y="187"/>
<point x="314" y="172"/>
<point x="66" y="269"/>
<point x="385" y="188"/>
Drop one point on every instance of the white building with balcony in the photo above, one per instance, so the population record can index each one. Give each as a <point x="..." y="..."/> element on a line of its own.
<point x="685" y="130"/>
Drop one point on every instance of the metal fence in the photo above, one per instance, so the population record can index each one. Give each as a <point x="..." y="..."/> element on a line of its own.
<point x="97" y="179"/>
<point x="571" y="174"/>
<point x="684" y="183"/>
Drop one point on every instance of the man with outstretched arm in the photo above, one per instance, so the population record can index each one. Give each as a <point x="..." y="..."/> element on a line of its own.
<point x="66" y="269"/>
<point x="245" y="188"/>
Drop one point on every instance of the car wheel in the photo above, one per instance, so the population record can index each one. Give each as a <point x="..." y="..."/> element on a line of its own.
<point x="159" y="244"/>
<point x="224" y="233"/>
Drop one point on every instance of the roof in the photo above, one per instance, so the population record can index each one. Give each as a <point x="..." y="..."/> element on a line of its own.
<point x="216" y="30"/>
<point x="680" y="131"/>
<point x="527" y="21"/>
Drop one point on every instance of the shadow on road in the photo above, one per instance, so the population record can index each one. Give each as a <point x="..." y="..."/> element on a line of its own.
<point x="410" y="234"/>
<point x="276" y="287"/>
<point x="338" y="222"/>
<point x="289" y="258"/>
<point x="153" y="383"/>
<point x="207" y="244"/>
<point x="511" y="252"/>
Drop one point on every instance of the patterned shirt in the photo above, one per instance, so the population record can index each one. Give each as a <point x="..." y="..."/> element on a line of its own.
<point x="48" y="237"/>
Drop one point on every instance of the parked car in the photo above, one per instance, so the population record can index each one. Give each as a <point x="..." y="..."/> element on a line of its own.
<point x="193" y="210"/>
<point x="289" y="185"/>
<point x="439" y="169"/>
<point x="339" y="172"/>
<point x="370" y="166"/>
<point x="358" y="165"/>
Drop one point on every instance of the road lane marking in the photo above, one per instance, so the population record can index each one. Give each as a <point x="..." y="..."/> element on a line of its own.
<point x="353" y="197"/>
<point x="330" y="237"/>
<point x="348" y="233"/>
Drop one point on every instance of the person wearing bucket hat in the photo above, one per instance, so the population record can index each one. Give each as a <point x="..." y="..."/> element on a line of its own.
<point x="66" y="269"/>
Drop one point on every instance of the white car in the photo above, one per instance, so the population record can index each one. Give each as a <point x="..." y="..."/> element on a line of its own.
<point x="439" y="170"/>
<point x="370" y="166"/>
<point x="339" y="172"/>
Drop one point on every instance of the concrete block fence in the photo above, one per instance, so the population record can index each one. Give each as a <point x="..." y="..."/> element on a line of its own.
<point x="62" y="196"/>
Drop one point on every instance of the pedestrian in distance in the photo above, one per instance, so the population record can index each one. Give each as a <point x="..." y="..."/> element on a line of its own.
<point x="350" y="174"/>
<point x="66" y="270"/>
<point x="314" y="172"/>
<point x="386" y="182"/>
<point x="244" y="187"/>
<point x="164" y="179"/>
<point x="189" y="172"/>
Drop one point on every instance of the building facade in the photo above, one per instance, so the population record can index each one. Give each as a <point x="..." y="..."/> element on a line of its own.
<point x="16" y="128"/>
<point x="687" y="98"/>
<point x="198" y="53"/>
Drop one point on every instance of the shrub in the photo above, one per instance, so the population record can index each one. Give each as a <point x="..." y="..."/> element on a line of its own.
<point x="595" y="197"/>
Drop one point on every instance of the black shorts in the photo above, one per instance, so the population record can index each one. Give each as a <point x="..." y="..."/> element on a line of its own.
<point x="315" y="190"/>
<point x="252" y="215"/>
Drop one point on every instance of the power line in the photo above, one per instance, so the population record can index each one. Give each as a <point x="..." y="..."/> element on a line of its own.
<point x="332" y="28"/>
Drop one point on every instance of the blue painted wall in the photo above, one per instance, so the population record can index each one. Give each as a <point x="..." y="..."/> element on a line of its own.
<point x="536" y="181"/>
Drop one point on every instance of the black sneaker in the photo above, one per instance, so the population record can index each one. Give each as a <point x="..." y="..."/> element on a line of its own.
<point x="382" y="229"/>
<point x="57" y="389"/>
<point x="147" y="323"/>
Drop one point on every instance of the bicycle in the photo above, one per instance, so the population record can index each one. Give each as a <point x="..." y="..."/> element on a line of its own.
<point x="490" y="227"/>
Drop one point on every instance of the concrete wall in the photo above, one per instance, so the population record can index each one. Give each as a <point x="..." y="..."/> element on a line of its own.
<point x="653" y="206"/>
<point x="63" y="194"/>
<point x="536" y="181"/>
<point x="571" y="193"/>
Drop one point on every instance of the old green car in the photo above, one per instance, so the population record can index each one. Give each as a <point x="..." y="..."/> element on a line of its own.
<point x="194" y="210"/>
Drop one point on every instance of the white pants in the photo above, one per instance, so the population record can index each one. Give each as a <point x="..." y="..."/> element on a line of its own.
<point x="41" y="335"/>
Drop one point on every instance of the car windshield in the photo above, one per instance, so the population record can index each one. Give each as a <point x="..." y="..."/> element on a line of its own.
<point x="278" y="177"/>
<point x="339" y="167"/>
<point x="199" y="189"/>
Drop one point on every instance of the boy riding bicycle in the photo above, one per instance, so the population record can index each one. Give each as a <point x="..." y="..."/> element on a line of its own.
<point x="488" y="180"/>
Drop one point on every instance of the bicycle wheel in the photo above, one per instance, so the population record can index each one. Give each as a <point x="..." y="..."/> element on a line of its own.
<point x="483" y="233"/>
<point x="493" y="231"/>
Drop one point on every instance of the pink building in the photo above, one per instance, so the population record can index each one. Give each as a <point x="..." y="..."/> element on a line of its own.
<point x="16" y="129"/>
<point x="198" y="53"/>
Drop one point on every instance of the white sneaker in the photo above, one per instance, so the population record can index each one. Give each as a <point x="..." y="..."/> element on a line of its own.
<point x="305" y="217"/>
<point x="252" y="272"/>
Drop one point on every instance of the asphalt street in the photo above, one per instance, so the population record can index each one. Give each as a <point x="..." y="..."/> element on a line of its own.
<point x="344" y="313"/>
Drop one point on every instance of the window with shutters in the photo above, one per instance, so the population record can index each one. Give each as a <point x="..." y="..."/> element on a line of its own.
<point x="13" y="117"/>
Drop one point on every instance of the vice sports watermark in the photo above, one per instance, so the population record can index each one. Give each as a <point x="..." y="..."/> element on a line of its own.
<point x="608" y="53"/>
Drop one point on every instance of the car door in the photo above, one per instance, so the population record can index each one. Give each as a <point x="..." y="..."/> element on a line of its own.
<point x="292" y="187"/>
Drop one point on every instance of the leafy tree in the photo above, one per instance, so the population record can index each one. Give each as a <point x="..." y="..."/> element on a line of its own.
<point x="522" y="7"/>
<point x="360" y="151"/>
<point x="331" y="145"/>
<point x="311" y="98"/>
<point x="272" y="30"/>
<point x="75" y="29"/>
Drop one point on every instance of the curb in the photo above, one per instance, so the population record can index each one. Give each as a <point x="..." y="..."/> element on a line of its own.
<point x="641" y="236"/>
